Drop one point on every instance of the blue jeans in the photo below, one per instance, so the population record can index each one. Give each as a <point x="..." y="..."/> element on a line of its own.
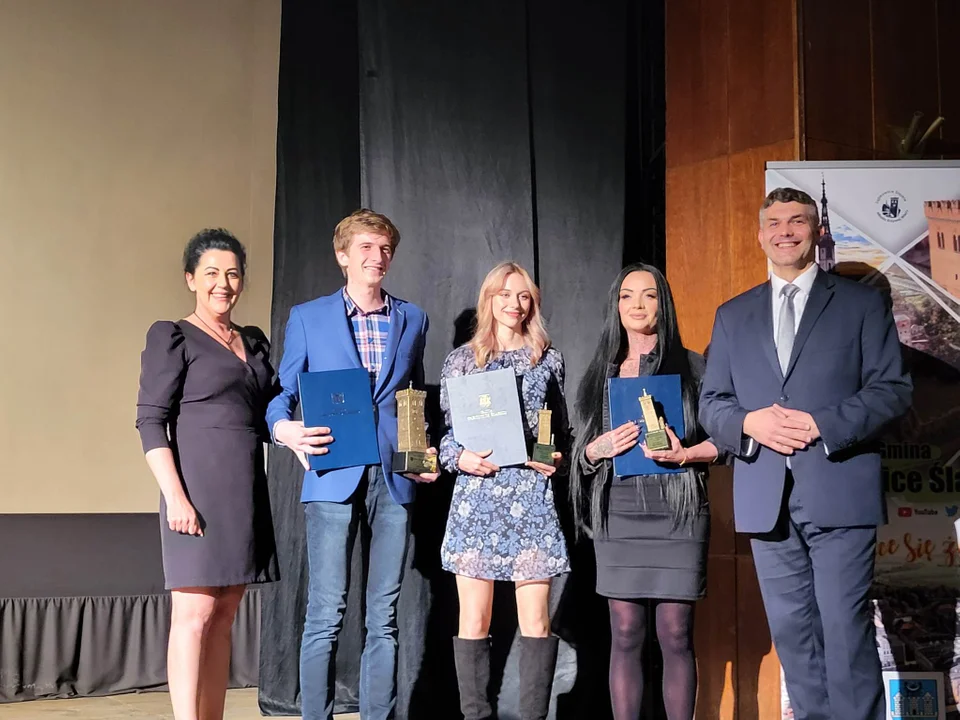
<point x="331" y="532"/>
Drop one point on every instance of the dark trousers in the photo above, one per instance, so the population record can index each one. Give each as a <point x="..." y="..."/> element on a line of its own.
<point x="815" y="583"/>
<point x="331" y="532"/>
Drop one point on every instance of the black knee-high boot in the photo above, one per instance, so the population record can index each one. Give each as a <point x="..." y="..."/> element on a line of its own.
<point x="472" y="658"/>
<point x="538" y="661"/>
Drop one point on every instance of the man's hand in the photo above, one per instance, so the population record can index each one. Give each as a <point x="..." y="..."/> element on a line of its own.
<point x="302" y="440"/>
<point x="424" y="477"/>
<point x="801" y="416"/>
<point x="783" y="433"/>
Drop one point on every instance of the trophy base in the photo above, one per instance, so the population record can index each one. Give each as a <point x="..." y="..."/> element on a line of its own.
<point x="657" y="440"/>
<point x="414" y="462"/>
<point x="543" y="453"/>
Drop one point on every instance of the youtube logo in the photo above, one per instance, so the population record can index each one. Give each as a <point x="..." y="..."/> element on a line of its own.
<point x="905" y="512"/>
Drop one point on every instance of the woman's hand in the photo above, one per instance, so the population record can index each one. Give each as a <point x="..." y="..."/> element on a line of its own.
<point x="613" y="443"/>
<point x="543" y="469"/>
<point x="182" y="517"/>
<point x="475" y="463"/>
<point x="677" y="453"/>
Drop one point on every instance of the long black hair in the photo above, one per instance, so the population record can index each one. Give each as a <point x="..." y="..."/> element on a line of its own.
<point x="589" y="492"/>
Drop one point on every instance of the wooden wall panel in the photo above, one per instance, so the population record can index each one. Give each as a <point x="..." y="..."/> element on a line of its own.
<point x="758" y="670"/>
<point x="716" y="641"/>
<point x="836" y="70"/>
<point x="697" y="44"/>
<point x="905" y="78"/>
<point x="722" y="535"/>
<point x="746" y="261"/>
<point x="731" y="106"/>
<point x="698" y="219"/>
<point x="761" y="75"/>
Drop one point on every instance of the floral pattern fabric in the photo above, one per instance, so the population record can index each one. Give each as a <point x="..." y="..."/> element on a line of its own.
<point x="505" y="526"/>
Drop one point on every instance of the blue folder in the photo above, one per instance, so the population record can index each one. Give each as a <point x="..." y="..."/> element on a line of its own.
<point x="342" y="401"/>
<point x="624" y="398"/>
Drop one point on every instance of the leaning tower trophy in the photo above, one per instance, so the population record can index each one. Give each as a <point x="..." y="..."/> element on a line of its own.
<point x="411" y="456"/>
<point x="544" y="448"/>
<point x="656" y="433"/>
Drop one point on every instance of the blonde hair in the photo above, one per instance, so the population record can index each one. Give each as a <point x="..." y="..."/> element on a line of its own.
<point x="484" y="340"/>
<point x="364" y="221"/>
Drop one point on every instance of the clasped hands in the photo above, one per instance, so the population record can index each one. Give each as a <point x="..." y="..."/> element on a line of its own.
<point x="476" y="463"/>
<point x="314" y="440"/>
<point x="781" y="429"/>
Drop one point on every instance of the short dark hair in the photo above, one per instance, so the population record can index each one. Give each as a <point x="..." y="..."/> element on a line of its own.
<point x="213" y="239"/>
<point x="789" y="194"/>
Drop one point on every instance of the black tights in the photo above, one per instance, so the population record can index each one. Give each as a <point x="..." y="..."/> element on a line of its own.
<point x="628" y="628"/>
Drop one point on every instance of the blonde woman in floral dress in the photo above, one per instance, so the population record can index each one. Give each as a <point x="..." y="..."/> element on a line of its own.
<point x="503" y="523"/>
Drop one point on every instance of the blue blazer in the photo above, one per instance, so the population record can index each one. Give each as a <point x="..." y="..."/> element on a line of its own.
<point x="319" y="337"/>
<point x="845" y="370"/>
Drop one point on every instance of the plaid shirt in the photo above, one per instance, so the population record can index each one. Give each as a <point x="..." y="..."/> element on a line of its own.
<point x="369" y="333"/>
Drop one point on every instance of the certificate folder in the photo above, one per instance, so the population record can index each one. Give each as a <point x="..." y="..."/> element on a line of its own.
<point x="486" y="413"/>
<point x="624" y="398"/>
<point x="342" y="401"/>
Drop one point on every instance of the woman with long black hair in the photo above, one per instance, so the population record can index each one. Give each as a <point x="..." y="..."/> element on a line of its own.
<point x="650" y="533"/>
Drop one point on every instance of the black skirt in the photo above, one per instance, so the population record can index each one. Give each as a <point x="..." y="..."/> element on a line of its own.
<point x="643" y="553"/>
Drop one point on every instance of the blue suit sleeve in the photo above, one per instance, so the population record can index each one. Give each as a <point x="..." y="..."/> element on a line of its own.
<point x="720" y="412"/>
<point x="293" y="362"/>
<point x="886" y="388"/>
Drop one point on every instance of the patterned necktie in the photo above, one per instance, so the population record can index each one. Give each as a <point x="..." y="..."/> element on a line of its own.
<point x="787" y="330"/>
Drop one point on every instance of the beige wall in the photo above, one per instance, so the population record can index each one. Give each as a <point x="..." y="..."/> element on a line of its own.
<point x="125" y="126"/>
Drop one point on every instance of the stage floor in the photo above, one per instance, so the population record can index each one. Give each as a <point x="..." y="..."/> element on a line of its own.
<point x="241" y="705"/>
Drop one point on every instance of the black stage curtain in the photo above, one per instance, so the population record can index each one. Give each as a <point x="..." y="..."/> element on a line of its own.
<point x="318" y="182"/>
<point x="83" y="611"/>
<point x="487" y="132"/>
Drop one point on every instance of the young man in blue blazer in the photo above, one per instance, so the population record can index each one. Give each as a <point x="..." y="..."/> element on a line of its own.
<point x="359" y="326"/>
<point x="804" y="373"/>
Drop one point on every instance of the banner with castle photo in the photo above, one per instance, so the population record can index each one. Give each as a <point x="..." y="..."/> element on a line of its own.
<point x="896" y="226"/>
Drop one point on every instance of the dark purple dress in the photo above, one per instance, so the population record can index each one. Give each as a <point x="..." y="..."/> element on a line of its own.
<point x="214" y="405"/>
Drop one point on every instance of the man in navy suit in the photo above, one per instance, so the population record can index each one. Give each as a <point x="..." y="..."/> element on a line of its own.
<point x="804" y="371"/>
<point x="359" y="326"/>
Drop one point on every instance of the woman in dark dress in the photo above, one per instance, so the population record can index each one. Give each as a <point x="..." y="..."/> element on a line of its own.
<point x="204" y="387"/>
<point x="650" y="533"/>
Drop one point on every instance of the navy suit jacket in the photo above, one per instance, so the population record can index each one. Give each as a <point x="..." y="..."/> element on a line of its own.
<point x="845" y="370"/>
<point x="319" y="337"/>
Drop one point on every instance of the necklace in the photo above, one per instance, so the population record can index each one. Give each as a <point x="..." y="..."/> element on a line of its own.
<point x="232" y="336"/>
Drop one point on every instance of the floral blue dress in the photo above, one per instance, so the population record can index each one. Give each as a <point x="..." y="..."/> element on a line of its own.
<point x="505" y="526"/>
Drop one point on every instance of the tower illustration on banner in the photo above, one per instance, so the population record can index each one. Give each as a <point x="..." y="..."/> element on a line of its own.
<point x="826" y="247"/>
<point x="943" y="223"/>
